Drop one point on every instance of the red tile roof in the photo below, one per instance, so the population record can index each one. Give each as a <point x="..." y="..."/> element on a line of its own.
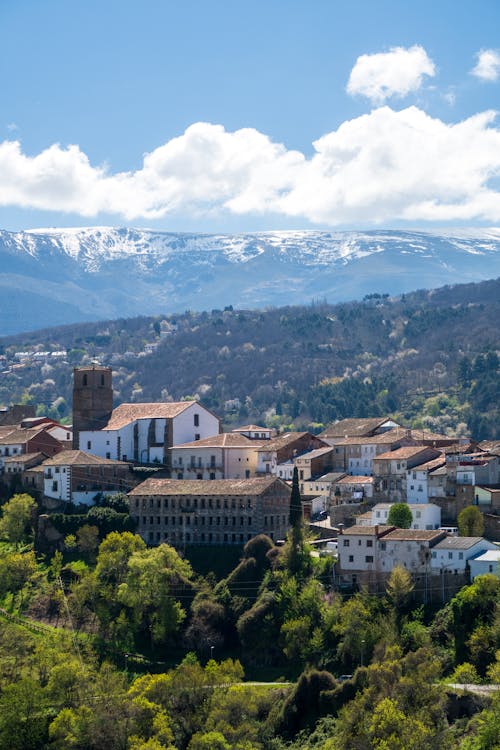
<point x="402" y="453"/>
<point x="414" y="535"/>
<point x="354" y="427"/>
<point x="224" y="440"/>
<point x="222" y="487"/>
<point x="355" y="480"/>
<point x="80" y="458"/>
<point x="127" y="413"/>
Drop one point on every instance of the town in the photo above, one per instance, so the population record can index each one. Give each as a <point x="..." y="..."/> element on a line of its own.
<point x="189" y="483"/>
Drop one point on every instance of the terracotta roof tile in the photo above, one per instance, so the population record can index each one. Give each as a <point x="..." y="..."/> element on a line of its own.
<point x="353" y="427"/>
<point x="127" y="413"/>
<point x="435" y="463"/>
<point x="380" y="529"/>
<point x="281" y="441"/>
<point x="80" y="458"/>
<point x="414" y="535"/>
<point x="251" y="428"/>
<point x="224" y="440"/>
<point x="402" y="453"/>
<point x="222" y="487"/>
<point x="19" y="435"/>
<point x="355" y="480"/>
<point x="24" y="458"/>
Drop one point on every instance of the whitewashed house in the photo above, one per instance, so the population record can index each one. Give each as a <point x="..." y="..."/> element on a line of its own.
<point x="425" y="517"/>
<point x="144" y="433"/>
<point x="486" y="562"/>
<point x="254" y="432"/>
<point x="426" y="480"/>
<point x="76" y="476"/>
<point x="377" y="549"/>
<point x="453" y="552"/>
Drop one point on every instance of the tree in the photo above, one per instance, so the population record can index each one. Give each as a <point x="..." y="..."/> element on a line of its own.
<point x="391" y="728"/>
<point x="470" y="521"/>
<point x="154" y="577"/>
<point x="23" y="723"/>
<point x="399" y="588"/>
<point x="16" y="569"/>
<point x="209" y="741"/>
<point x="400" y="516"/>
<point x="295" y="500"/>
<point x="465" y="674"/>
<point x="304" y="705"/>
<point x="88" y="539"/>
<point x="473" y="606"/>
<point x="17" y="518"/>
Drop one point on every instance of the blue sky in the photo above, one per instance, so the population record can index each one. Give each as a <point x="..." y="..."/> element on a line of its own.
<point x="138" y="88"/>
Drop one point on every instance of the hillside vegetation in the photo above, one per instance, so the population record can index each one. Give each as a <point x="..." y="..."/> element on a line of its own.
<point x="117" y="646"/>
<point x="429" y="358"/>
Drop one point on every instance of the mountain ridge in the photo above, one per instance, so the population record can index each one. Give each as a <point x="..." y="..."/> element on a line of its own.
<point x="94" y="273"/>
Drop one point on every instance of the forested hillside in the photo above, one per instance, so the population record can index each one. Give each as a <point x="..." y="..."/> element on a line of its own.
<point x="429" y="358"/>
<point x="117" y="646"/>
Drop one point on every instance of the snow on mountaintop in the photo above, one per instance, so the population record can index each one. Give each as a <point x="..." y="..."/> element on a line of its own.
<point x="103" y="272"/>
<point x="93" y="246"/>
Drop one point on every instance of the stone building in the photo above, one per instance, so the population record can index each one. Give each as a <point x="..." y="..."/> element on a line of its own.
<point x="227" y="455"/>
<point x="92" y="399"/>
<point x="218" y="511"/>
<point x="77" y="477"/>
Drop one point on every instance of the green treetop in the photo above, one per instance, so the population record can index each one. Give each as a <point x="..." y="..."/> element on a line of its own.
<point x="400" y="516"/>
<point x="295" y="500"/>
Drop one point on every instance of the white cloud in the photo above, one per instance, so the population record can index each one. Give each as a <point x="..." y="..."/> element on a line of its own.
<point x="378" y="168"/>
<point x="394" y="73"/>
<point x="488" y="65"/>
<point x="391" y="165"/>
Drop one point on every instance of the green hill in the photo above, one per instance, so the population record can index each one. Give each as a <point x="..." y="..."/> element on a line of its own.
<point x="429" y="357"/>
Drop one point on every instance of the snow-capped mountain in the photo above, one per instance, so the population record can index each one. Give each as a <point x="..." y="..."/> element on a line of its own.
<point x="54" y="276"/>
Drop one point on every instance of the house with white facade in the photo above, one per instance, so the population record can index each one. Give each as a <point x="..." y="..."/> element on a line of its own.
<point x="285" y="471"/>
<point x="17" y="441"/>
<point x="409" y="548"/>
<point x="358" y="547"/>
<point x="453" y="553"/>
<point x="390" y="470"/>
<point x="486" y="562"/>
<point x="254" y="432"/>
<point x="375" y="550"/>
<point x="228" y="455"/>
<point x="426" y="480"/>
<point x="425" y="517"/>
<point x="19" y="463"/>
<point x="359" y="452"/>
<point x="60" y="432"/>
<point x="144" y="433"/>
<point x="77" y="477"/>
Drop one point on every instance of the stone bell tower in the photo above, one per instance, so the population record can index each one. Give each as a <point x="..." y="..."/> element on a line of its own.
<point x="92" y="399"/>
